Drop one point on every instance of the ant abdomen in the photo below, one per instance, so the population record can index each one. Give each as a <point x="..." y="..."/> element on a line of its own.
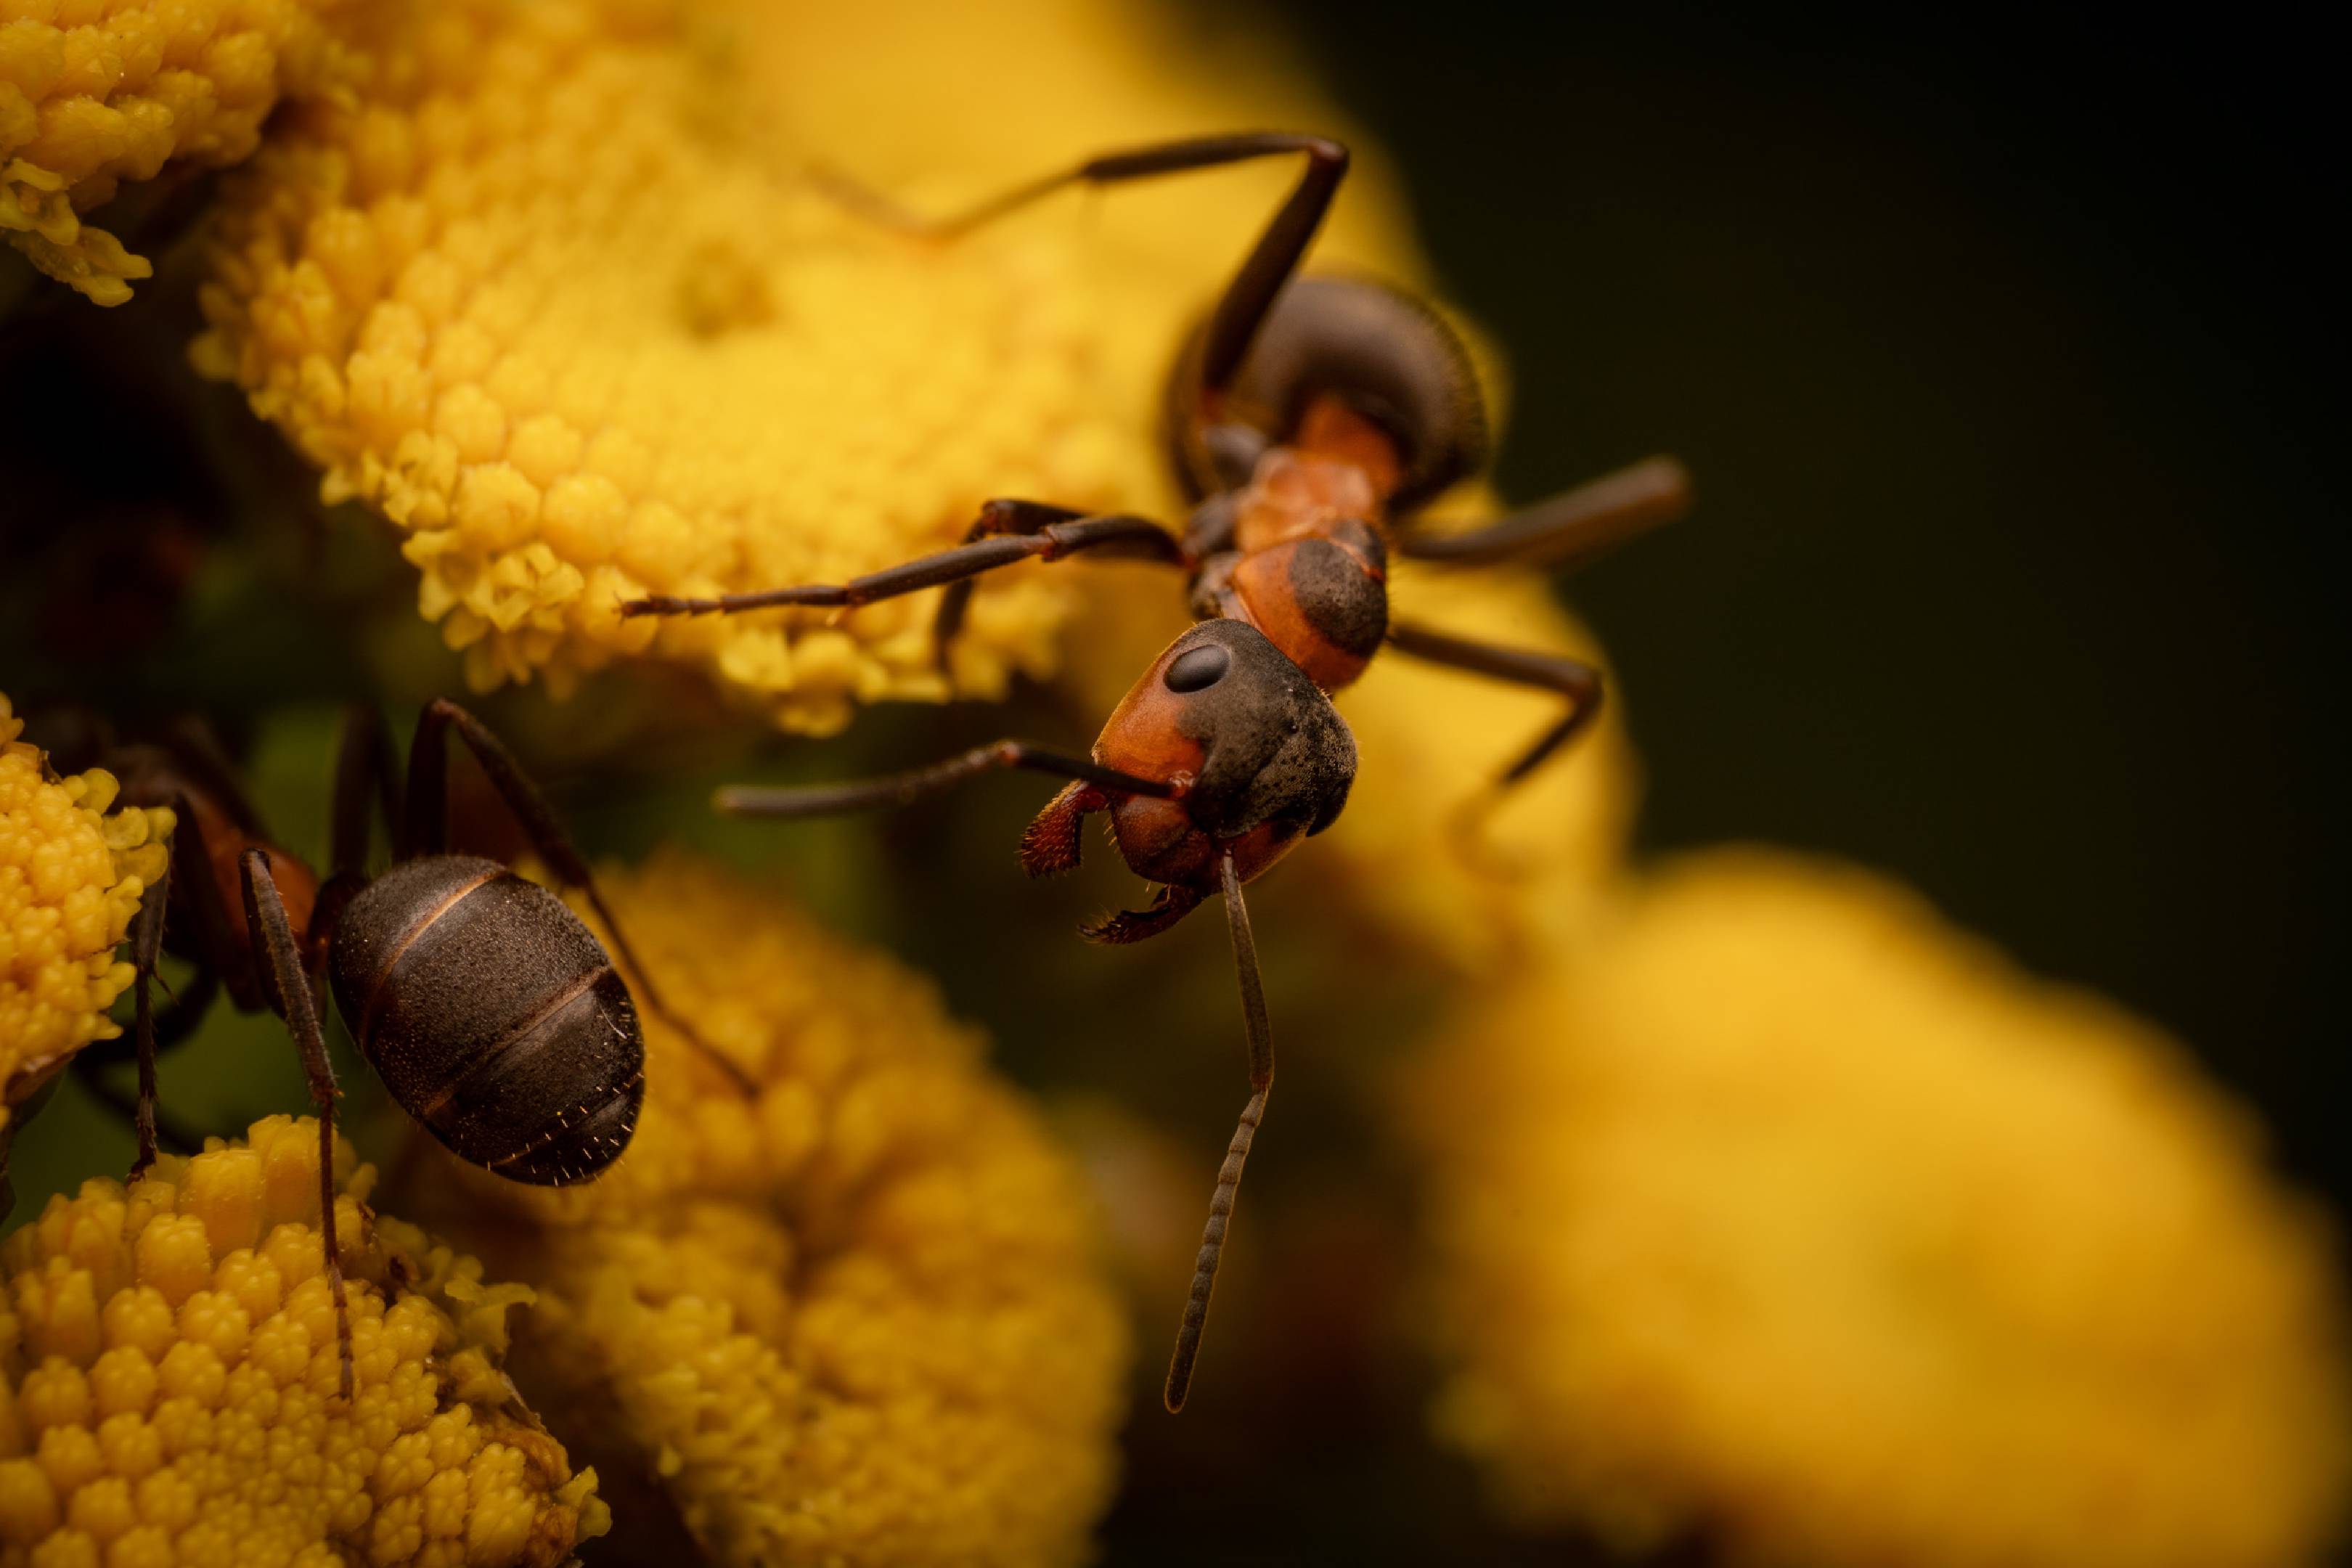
<point x="1377" y="351"/>
<point x="494" y="1016"/>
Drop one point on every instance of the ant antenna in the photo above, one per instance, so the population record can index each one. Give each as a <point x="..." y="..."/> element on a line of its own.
<point x="1229" y="1175"/>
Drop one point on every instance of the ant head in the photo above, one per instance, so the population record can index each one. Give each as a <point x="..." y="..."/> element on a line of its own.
<point x="1379" y="352"/>
<point x="1262" y="745"/>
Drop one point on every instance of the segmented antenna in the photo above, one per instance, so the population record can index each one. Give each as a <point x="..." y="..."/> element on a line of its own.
<point x="1229" y="1174"/>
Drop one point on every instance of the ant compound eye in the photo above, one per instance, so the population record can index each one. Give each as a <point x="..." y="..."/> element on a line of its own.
<point x="1196" y="668"/>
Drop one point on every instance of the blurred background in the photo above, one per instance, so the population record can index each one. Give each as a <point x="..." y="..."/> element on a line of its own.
<point x="2003" y="351"/>
<point x="1996" y="346"/>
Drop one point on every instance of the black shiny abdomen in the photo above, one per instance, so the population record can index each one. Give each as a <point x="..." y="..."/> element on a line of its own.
<point x="493" y="1015"/>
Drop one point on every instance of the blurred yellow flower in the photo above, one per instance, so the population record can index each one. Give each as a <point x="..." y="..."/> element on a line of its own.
<point x="170" y="1372"/>
<point x="860" y="1318"/>
<point x="104" y="92"/>
<point x="1785" y="1215"/>
<point x="70" y="879"/>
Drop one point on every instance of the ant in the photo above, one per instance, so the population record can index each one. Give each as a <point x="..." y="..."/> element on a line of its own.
<point x="489" y="1011"/>
<point x="1309" y="420"/>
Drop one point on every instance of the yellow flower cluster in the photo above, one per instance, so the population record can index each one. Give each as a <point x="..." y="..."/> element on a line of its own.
<point x="551" y="303"/>
<point x="1783" y="1216"/>
<point x="170" y="1366"/>
<point x="98" y="93"/>
<point x="70" y="879"/>
<point x="858" y="1319"/>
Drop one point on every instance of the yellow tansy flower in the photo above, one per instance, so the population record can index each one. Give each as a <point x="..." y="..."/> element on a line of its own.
<point x="1785" y="1217"/>
<point x="859" y="1319"/>
<point x="168" y="1373"/>
<point x="553" y="306"/>
<point x="557" y="298"/>
<point x="71" y="875"/>
<point x="100" y="93"/>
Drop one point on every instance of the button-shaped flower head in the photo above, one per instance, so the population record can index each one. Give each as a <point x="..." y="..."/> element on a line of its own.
<point x="97" y="96"/>
<point x="859" y="1318"/>
<point x="168" y="1377"/>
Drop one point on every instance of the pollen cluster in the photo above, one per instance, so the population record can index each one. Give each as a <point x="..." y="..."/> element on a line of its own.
<point x="96" y="94"/>
<point x="1784" y="1218"/>
<point x="857" y="1318"/>
<point x="71" y="874"/>
<point x="170" y="1364"/>
<point x="552" y="299"/>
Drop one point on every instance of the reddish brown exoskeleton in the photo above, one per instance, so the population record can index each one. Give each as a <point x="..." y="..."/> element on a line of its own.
<point x="1310" y="419"/>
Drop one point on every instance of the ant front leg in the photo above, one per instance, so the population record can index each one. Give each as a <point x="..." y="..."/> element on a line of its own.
<point x="289" y="986"/>
<point x="1007" y="532"/>
<point x="1065" y="531"/>
<point x="426" y="831"/>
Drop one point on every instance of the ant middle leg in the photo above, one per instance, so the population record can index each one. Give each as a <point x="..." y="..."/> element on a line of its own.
<point x="1007" y="532"/>
<point x="424" y="831"/>
<point x="1570" y="528"/>
<point x="149" y="1036"/>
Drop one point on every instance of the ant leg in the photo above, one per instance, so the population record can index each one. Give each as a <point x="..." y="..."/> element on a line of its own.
<point x="1229" y="1175"/>
<point x="1268" y="267"/>
<point x="363" y="766"/>
<point x="190" y="1005"/>
<point x="89" y="1064"/>
<point x="1570" y="529"/>
<point x="290" y="987"/>
<point x="1058" y="531"/>
<point x="1031" y="518"/>
<point x="906" y="788"/>
<point x="365" y="778"/>
<point x="172" y="1136"/>
<point x="146" y="948"/>
<point x="426" y="832"/>
<point x="1572" y="678"/>
<point x="1169" y="904"/>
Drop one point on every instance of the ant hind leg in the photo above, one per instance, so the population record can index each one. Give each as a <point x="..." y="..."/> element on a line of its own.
<point x="273" y="937"/>
<point x="1572" y="678"/>
<point x="425" y="830"/>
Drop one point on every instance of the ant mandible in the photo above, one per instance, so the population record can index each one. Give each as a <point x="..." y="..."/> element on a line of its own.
<point x="489" y="1010"/>
<point x="1310" y="420"/>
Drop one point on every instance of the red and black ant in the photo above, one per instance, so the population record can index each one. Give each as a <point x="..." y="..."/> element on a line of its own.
<point x="1309" y="420"/>
<point x="489" y="1011"/>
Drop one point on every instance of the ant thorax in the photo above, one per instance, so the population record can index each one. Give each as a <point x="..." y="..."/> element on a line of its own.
<point x="1298" y="495"/>
<point x="1306" y="562"/>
